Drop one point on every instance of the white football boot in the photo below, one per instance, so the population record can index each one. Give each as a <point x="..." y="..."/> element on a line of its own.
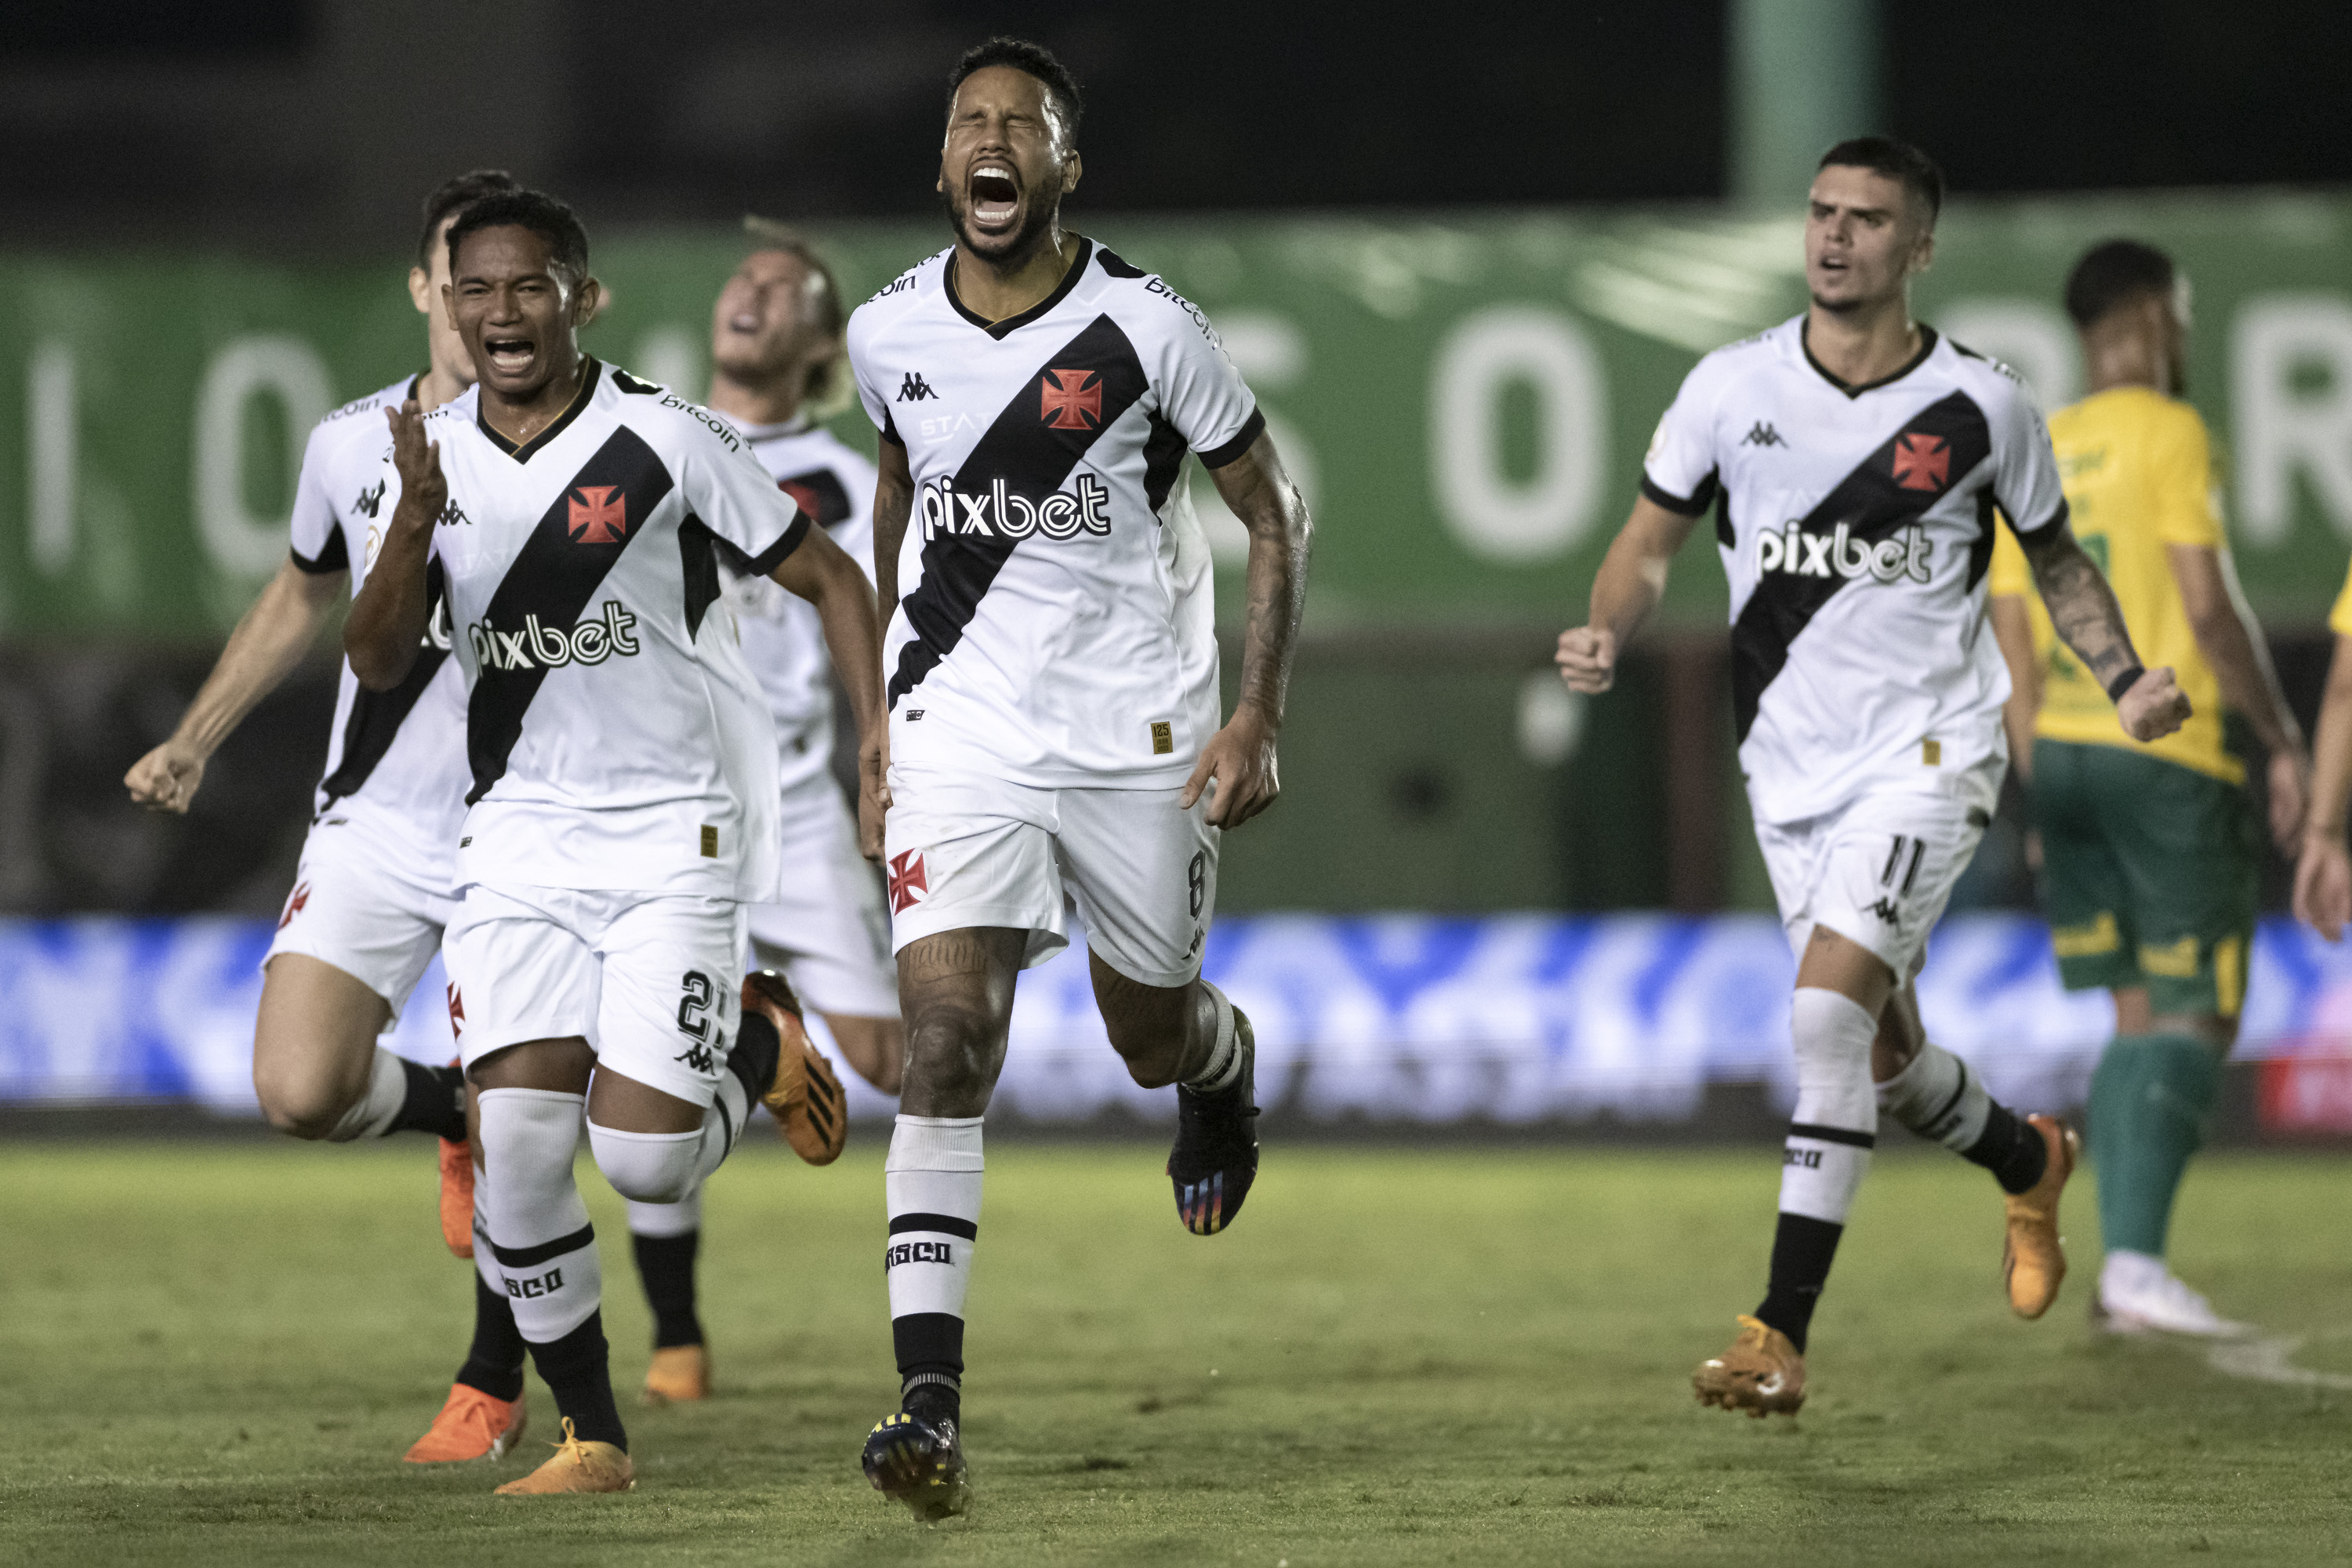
<point x="2137" y="1294"/>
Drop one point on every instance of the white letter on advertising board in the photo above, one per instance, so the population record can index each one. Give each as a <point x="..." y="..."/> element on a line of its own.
<point x="241" y="543"/>
<point x="2280" y="340"/>
<point x="1497" y="515"/>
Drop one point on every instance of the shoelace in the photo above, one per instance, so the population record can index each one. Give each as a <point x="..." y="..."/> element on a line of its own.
<point x="570" y="1447"/>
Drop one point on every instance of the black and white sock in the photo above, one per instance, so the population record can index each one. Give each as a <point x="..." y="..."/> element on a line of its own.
<point x="665" y="1239"/>
<point x="546" y="1250"/>
<point x="664" y="1168"/>
<point x="932" y="1181"/>
<point x="494" y="1360"/>
<point x="1224" y="1064"/>
<point x="403" y="1095"/>
<point x="494" y="1365"/>
<point x="1940" y="1099"/>
<point x="1827" y="1153"/>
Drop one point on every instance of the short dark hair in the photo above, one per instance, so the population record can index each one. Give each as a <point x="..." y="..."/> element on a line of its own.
<point x="567" y="242"/>
<point x="2114" y="272"/>
<point x="1024" y="56"/>
<point x="1897" y="161"/>
<point x="449" y="196"/>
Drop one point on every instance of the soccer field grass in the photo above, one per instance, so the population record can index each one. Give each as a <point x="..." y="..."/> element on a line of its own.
<point x="216" y="1353"/>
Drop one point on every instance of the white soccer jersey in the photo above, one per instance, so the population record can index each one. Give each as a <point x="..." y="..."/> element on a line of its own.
<point x="1855" y="524"/>
<point x="784" y="640"/>
<point x="1055" y="625"/>
<point x="616" y="737"/>
<point x="396" y="760"/>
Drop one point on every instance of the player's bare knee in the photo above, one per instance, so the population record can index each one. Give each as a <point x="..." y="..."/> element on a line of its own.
<point x="297" y="1104"/>
<point x="951" y="1060"/>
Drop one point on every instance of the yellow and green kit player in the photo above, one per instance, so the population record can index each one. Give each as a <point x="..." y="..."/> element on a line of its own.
<point x="2151" y="853"/>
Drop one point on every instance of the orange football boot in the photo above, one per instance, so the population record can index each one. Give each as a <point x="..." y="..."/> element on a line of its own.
<point x="577" y="1467"/>
<point x="806" y="1099"/>
<point x="2034" y="1255"/>
<point x="1761" y="1372"/>
<point x="457" y="1197"/>
<point x="472" y="1425"/>
<point x="679" y="1374"/>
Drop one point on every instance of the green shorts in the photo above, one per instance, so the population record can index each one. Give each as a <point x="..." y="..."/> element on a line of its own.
<point x="2150" y="872"/>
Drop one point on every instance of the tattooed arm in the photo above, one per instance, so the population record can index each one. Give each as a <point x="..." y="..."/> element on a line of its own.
<point x="2083" y="610"/>
<point x="1241" y="756"/>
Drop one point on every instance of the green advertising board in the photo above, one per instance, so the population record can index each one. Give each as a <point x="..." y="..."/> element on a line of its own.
<point x="1466" y="397"/>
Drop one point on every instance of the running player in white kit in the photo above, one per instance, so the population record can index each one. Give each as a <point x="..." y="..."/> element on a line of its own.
<point x="378" y="874"/>
<point x="777" y="356"/>
<point x="622" y="796"/>
<point x="1051" y="681"/>
<point x="1856" y="461"/>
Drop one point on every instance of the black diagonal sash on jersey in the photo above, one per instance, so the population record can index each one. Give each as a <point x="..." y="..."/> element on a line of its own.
<point x="376" y="716"/>
<point x="1031" y="457"/>
<point x="553" y="576"/>
<point x="1873" y="506"/>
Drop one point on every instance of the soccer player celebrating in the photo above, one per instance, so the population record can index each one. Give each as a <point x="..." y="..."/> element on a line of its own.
<point x="1857" y="458"/>
<point x="776" y="352"/>
<point x="2150" y="852"/>
<point x="623" y="773"/>
<point x="378" y="874"/>
<point x="1051" y="681"/>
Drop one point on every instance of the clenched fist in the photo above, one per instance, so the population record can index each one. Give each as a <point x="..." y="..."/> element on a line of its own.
<point x="1588" y="660"/>
<point x="2153" y="707"/>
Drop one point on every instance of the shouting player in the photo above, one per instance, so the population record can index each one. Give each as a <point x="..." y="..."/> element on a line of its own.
<point x="1052" y="683"/>
<point x="378" y="873"/>
<point x="623" y="773"/>
<point x="776" y="353"/>
<point x="2151" y="854"/>
<point x="1855" y="459"/>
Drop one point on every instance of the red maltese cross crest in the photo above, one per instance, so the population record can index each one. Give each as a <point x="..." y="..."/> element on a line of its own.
<point x="1922" y="462"/>
<point x="1070" y="399"/>
<point x="599" y="516"/>
<point x="908" y="885"/>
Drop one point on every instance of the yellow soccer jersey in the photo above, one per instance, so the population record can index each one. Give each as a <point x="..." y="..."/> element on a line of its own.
<point x="2139" y="473"/>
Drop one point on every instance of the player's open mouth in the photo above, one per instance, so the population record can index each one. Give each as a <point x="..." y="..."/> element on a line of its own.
<point x="509" y="356"/>
<point x="744" y="321"/>
<point x="995" y="195"/>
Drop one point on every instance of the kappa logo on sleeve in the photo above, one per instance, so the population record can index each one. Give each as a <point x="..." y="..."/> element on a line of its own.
<point x="1070" y="399"/>
<point x="456" y="1004"/>
<point x="909" y="884"/>
<point x="600" y="515"/>
<point x="296" y="902"/>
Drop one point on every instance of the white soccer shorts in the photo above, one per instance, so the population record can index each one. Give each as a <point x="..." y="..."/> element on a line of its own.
<point x="966" y="850"/>
<point x="357" y="905"/>
<point x="828" y="932"/>
<point x="1880" y="870"/>
<point x="651" y="981"/>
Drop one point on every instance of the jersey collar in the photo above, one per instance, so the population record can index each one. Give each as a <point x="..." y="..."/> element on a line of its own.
<point x="530" y="448"/>
<point x="1003" y="329"/>
<point x="1926" y="347"/>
